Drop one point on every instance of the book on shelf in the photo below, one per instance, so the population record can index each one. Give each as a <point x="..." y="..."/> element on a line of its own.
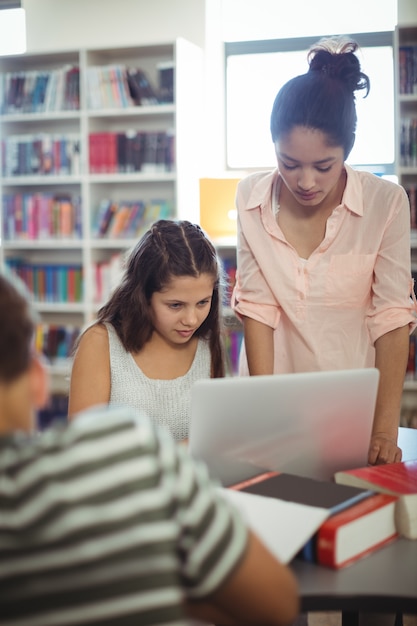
<point x="128" y="219"/>
<point x="41" y="154"/>
<point x="55" y="410"/>
<point x="398" y="479"/>
<point x="407" y="56"/>
<point x="104" y="217"/>
<point x="141" y="89"/>
<point x="233" y="343"/>
<point x="56" y="342"/>
<point x="131" y="151"/>
<point x="408" y="142"/>
<point x="107" y="275"/>
<point x="37" y="216"/>
<point x="40" y="91"/>
<point x="348" y="531"/>
<point x="166" y="75"/>
<point x="50" y="282"/>
<point x="120" y="220"/>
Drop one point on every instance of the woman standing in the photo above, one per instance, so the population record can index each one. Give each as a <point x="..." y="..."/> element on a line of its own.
<point x="324" y="277"/>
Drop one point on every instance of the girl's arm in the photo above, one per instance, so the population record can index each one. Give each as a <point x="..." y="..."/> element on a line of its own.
<point x="259" y="345"/>
<point x="391" y="360"/>
<point x="90" y="376"/>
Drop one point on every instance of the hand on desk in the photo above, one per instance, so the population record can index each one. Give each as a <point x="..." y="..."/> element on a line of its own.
<point x="383" y="449"/>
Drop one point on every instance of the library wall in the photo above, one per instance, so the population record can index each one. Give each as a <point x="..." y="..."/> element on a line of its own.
<point x="74" y="24"/>
<point x="407" y="12"/>
<point x="58" y="25"/>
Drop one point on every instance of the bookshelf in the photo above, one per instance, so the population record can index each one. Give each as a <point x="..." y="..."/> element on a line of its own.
<point x="70" y="122"/>
<point x="406" y="160"/>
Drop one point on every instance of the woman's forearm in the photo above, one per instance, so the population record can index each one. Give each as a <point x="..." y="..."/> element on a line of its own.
<point x="259" y="344"/>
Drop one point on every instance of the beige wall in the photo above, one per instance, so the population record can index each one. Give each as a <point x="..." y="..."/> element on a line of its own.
<point x="73" y="24"/>
<point x="407" y="12"/>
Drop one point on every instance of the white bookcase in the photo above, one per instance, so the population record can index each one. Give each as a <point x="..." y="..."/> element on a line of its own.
<point x="406" y="167"/>
<point x="177" y="185"/>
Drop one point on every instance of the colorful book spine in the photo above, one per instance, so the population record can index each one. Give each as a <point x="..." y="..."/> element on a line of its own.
<point x="41" y="155"/>
<point x="132" y="151"/>
<point x="40" y="91"/>
<point x="35" y="216"/>
<point x="50" y="282"/>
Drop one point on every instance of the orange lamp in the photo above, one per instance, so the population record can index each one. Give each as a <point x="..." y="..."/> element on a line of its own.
<point x="217" y="207"/>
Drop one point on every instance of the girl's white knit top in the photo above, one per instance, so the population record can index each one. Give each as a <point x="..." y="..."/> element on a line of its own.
<point x="167" y="402"/>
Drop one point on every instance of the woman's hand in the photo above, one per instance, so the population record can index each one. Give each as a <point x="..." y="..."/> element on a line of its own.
<point x="383" y="449"/>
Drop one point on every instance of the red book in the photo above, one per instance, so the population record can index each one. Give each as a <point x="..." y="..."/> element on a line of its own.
<point x="399" y="479"/>
<point x="357" y="531"/>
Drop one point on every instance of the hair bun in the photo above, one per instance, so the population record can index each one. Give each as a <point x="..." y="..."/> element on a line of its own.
<point x="335" y="57"/>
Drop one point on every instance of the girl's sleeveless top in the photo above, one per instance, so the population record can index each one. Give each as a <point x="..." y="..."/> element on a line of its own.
<point x="167" y="402"/>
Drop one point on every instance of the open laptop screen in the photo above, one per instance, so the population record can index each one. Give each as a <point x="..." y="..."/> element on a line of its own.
<point x="310" y="424"/>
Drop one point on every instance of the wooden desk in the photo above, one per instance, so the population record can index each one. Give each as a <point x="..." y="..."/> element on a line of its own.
<point x="385" y="581"/>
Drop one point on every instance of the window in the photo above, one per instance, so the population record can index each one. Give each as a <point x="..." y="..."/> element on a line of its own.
<point x="255" y="70"/>
<point x="12" y="28"/>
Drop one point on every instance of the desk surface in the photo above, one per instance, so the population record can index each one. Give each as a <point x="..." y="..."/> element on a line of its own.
<point x="385" y="580"/>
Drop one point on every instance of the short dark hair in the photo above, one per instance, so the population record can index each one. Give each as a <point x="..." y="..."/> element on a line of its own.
<point x="17" y="328"/>
<point x="323" y="98"/>
<point x="168" y="249"/>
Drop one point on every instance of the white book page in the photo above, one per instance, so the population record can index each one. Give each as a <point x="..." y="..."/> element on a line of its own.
<point x="284" y="527"/>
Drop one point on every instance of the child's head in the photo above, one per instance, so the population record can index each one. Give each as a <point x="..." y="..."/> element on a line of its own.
<point x="323" y="98"/>
<point x="17" y="329"/>
<point x="23" y="384"/>
<point x="167" y="250"/>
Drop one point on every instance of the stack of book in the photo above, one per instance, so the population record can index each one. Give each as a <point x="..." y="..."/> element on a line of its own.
<point x="328" y="522"/>
<point x="397" y="479"/>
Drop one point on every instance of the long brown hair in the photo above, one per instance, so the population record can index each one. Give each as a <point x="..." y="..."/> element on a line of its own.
<point x="170" y="248"/>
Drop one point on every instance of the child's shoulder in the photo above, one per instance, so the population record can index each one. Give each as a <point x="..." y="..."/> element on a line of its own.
<point x="95" y="336"/>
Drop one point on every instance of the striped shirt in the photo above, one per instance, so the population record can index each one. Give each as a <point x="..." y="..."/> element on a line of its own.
<point x="106" y="521"/>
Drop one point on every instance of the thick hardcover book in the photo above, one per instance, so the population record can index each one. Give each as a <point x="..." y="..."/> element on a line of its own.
<point x="308" y="491"/>
<point x="356" y="532"/>
<point x="347" y="533"/>
<point x="399" y="479"/>
<point x="283" y="526"/>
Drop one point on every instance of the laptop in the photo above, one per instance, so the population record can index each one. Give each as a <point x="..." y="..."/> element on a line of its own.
<point x="309" y="424"/>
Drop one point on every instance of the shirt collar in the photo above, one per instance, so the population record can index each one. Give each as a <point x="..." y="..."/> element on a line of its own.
<point x="352" y="196"/>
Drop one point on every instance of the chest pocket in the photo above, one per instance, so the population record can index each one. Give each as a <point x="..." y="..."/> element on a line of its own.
<point x="349" y="280"/>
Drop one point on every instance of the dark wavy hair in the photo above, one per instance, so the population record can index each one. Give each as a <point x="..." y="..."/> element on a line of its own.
<point x="17" y="328"/>
<point x="324" y="97"/>
<point x="170" y="248"/>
